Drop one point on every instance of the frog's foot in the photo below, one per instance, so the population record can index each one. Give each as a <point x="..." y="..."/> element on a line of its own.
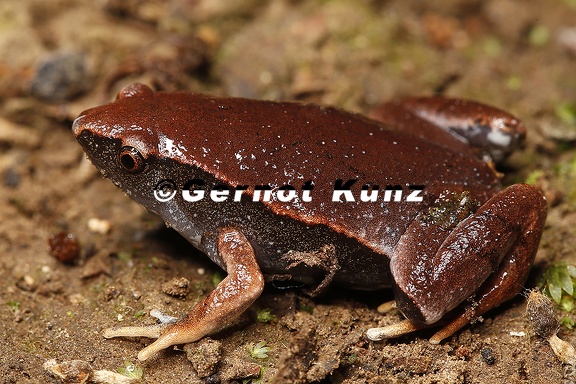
<point x="232" y="297"/>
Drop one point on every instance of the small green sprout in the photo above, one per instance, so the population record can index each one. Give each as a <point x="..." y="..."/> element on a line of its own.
<point x="567" y="113"/>
<point x="533" y="177"/>
<point x="13" y="305"/>
<point x="259" y="351"/>
<point x="539" y="35"/>
<point x="124" y="256"/>
<point x="307" y="308"/>
<point x="558" y="283"/>
<point x="140" y="313"/>
<point x="265" y="315"/>
<point x="217" y="277"/>
<point x="130" y="370"/>
<point x="568" y="322"/>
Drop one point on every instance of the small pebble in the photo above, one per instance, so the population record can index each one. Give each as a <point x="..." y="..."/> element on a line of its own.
<point x="542" y="315"/>
<point x="60" y="77"/>
<point x="567" y="39"/>
<point x="488" y="355"/>
<point x="545" y="324"/>
<point x="177" y="287"/>
<point x="110" y="293"/>
<point x="64" y="247"/>
<point x="80" y="372"/>
<point x="27" y="283"/>
<point x="204" y="356"/>
<point x="73" y="371"/>
<point x="162" y="317"/>
<point x="11" y="178"/>
<point x="96" y="225"/>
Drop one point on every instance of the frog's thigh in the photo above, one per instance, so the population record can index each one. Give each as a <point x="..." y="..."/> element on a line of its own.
<point x="513" y="271"/>
<point x="502" y="236"/>
<point x="396" y="116"/>
<point x="232" y="297"/>
<point x="484" y="128"/>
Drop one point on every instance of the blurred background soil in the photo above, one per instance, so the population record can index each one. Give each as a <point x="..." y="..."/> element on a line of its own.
<point x="60" y="57"/>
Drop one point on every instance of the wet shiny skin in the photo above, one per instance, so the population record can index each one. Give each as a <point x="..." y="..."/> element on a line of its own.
<point x="466" y="239"/>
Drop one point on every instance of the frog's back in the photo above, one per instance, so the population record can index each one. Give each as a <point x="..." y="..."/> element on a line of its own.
<point x="250" y="142"/>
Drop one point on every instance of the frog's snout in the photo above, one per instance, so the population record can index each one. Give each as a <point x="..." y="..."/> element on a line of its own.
<point x="77" y="126"/>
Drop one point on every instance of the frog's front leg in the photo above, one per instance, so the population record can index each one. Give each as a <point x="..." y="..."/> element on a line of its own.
<point x="485" y="257"/>
<point x="232" y="297"/>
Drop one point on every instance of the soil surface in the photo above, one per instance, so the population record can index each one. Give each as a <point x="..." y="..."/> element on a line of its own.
<point x="60" y="57"/>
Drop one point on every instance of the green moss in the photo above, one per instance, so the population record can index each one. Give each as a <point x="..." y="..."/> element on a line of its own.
<point x="566" y="112"/>
<point x="558" y="283"/>
<point x="514" y="82"/>
<point x="568" y="322"/>
<point x="140" y="313"/>
<point x="124" y="256"/>
<point x="539" y="35"/>
<point x="565" y="173"/>
<point x="130" y="370"/>
<point x="265" y="315"/>
<point x="534" y="176"/>
<point x="307" y="308"/>
<point x="13" y="305"/>
<point x="492" y="46"/>
<point x="259" y="350"/>
<point x="217" y="277"/>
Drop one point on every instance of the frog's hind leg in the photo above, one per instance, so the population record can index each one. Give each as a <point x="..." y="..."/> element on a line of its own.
<point x="507" y="281"/>
<point x="232" y="297"/>
<point x="490" y="132"/>
<point x="492" y="249"/>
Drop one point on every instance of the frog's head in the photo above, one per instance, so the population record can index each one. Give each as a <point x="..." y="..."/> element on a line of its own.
<point x="123" y="148"/>
<point x="132" y="142"/>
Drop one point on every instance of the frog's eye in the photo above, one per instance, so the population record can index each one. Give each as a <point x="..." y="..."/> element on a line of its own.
<point x="131" y="159"/>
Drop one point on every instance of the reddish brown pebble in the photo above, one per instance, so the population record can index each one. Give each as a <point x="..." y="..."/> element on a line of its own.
<point x="64" y="247"/>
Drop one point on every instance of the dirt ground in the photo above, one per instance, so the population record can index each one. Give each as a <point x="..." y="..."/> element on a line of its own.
<point x="60" y="57"/>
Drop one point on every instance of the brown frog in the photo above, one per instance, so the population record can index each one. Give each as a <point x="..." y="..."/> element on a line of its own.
<point x="407" y="198"/>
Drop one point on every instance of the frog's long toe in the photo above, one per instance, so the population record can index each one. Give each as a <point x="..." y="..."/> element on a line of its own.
<point x="151" y="331"/>
<point x="393" y="330"/>
<point x="387" y="307"/>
